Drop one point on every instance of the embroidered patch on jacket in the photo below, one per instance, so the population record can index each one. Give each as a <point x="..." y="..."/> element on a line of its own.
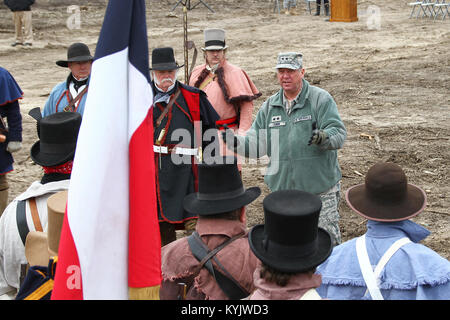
<point x="303" y="118"/>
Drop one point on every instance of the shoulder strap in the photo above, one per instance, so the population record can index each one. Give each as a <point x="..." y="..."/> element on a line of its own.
<point x="372" y="277"/>
<point x="35" y="214"/>
<point x="21" y="218"/>
<point x="72" y="102"/>
<point x="167" y="108"/>
<point x="226" y="282"/>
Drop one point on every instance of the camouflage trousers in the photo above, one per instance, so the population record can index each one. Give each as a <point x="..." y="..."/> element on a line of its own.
<point x="329" y="215"/>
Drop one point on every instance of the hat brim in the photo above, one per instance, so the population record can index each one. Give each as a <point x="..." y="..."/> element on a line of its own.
<point x="286" y="66"/>
<point x="360" y="201"/>
<point x="192" y="204"/>
<point x="166" y="66"/>
<point x="65" y="63"/>
<point x="290" y="264"/>
<point x="209" y="48"/>
<point x="49" y="159"/>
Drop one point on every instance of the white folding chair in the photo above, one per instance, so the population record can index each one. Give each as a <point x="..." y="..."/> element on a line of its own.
<point x="440" y="9"/>
<point x="428" y="10"/>
<point x="414" y="5"/>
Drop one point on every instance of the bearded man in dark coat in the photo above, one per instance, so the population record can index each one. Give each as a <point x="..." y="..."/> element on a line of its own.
<point x="184" y="125"/>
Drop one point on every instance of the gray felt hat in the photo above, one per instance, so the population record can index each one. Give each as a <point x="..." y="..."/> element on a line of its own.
<point x="214" y="39"/>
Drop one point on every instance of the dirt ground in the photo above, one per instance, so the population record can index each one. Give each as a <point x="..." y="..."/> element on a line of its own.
<point x="390" y="81"/>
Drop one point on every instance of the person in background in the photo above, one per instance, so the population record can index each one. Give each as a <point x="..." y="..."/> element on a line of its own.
<point x="10" y="130"/>
<point x="387" y="262"/>
<point x="290" y="246"/>
<point x="326" y="7"/>
<point x="22" y="18"/>
<point x="70" y="95"/>
<point x="221" y="221"/>
<point x="290" y="7"/>
<point x="54" y="152"/>
<point x="181" y="117"/>
<point x="299" y="128"/>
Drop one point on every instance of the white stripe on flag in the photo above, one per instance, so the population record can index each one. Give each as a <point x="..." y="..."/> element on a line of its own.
<point x="98" y="194"/>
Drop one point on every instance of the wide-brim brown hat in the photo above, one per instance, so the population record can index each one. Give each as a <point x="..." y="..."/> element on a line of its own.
<point x="290" y="240"/>
<point x="220" y="189"/>
<point x="386" y="195"/>
<point x="77" y="52"/>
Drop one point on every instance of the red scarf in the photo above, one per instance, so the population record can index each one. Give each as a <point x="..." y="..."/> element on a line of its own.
<point x="65" y="168"/>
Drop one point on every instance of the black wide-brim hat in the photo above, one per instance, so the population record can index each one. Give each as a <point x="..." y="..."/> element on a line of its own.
<point x="220" y="189"/>
<point x="163" y="59"/>
<point x="77" y="52"/>
<point x="58" y="139"/>
<point x="386" y="195"/>
<point x="290" y="240"/>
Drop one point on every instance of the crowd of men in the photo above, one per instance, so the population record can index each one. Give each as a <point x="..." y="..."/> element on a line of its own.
<point x="297" y="253"/>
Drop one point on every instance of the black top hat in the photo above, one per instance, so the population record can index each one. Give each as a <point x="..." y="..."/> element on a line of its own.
<point x="58" y="134"/>
<point x="220" y="189"/>
<point x="164" y="59"/>
<point x="386" y="195"/>
<point x="77" y="52"/>
<point x="290" y="240"/>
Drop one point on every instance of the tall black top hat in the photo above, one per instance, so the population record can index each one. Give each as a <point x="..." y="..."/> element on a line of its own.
<point x="220" y="189"/>
<point x="164" y="59"/>
<point x="58" y="134"/>
<point x="290" y="240"/>
<point x="77" y="52"/>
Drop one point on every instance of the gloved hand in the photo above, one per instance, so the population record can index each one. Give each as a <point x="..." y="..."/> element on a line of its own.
<point x="229" y="138"/>
<point x="14" y="146"/>
<point x="318" y="136"/>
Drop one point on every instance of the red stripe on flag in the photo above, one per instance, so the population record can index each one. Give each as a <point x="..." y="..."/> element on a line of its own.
<point x="68" y="284"/>
<point x="144" y="246"/>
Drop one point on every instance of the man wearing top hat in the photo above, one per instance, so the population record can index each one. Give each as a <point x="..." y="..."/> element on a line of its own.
<point x="387" y="262"/>
<point x="54" y="151"/>
<point x="70" y="95"/>
<point x="290" y="246"/>
<point x="181" y="116"/>
<point x="221" y="218"/>
<point x="228" y="87"/>
<point x="299" y="128"/>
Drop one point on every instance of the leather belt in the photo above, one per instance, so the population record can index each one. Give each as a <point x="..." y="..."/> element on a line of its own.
<point x="176" y="150"/>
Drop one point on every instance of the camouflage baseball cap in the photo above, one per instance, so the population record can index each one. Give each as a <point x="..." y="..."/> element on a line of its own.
<point x="289" y="60"/>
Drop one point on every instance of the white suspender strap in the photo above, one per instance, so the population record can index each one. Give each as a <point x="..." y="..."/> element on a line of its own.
<point x="388" y="254"/>
<point x="366" y="269"/>
<point x="370" y="277"/>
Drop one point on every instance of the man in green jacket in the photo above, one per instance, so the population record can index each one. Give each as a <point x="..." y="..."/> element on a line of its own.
<point x="300" y="130"/>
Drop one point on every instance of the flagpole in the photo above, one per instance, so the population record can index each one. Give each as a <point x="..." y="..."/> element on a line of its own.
<point x="186" y="54"/>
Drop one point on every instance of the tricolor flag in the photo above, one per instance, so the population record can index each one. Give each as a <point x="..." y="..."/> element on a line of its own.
<point x="110" y="238"/>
